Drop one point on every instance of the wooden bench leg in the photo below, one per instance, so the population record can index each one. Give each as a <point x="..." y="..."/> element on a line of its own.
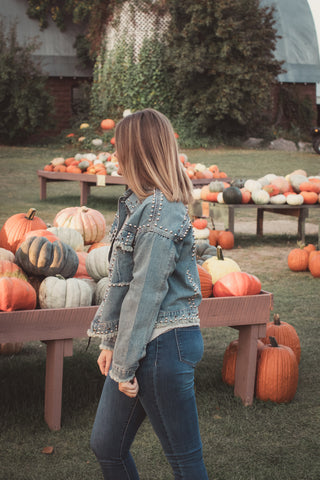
<point x="43" y="188"/>
<point x="260" y="221"/>
<point x="56" y="351"/>
<point x="302" y="215"/>
<point x="246" y="363"/>
<point x="84" y="193"/>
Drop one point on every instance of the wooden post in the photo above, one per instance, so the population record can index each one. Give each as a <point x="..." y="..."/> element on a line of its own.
<point x="56" y="351"/>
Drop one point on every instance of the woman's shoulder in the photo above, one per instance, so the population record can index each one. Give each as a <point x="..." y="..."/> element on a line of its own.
<point x="158" y="212"/>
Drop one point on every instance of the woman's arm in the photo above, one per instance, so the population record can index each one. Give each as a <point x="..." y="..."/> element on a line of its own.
<point x="154" y="261"/>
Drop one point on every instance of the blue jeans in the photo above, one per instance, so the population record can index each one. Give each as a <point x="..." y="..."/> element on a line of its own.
<point x="166" y="396"/>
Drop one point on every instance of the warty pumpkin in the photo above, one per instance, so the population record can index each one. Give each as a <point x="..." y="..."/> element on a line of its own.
<point x="39" y="256"/>
<point x="285" y="334"/>
<point x="10" y="269"/>
<point x="277" y="373"/>
<point x="16" y="294"/>
<point x="16" y="226"/>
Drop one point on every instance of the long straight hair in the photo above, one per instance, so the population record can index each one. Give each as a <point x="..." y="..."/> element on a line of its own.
<point x="148" y="153"/>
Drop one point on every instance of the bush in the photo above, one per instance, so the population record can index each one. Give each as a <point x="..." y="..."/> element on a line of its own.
<point x="25" y="104"/>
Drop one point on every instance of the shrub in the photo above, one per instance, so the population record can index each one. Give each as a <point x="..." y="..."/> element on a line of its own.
<point x="25" y="104"/>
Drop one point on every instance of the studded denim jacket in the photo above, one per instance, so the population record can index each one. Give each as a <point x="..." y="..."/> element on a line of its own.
<point x="153" y="278"/>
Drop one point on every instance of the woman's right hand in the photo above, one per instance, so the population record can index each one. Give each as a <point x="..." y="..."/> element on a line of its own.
<point x="104" y="361"/>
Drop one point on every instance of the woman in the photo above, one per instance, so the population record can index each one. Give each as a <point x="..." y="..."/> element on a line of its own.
<point x="148" y="321"/>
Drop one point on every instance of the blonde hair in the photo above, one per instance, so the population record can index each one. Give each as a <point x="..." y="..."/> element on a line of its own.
<point x="148" y="154"/>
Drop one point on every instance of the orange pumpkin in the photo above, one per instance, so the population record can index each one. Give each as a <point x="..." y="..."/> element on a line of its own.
<point x="82" y="270"/>
<point x="277" y="373"/>
<point x="48" y="168"/>
<point x="205" y="282"/>
<point x="60" y="168"/>
<point x="16" y="226"/>
<point x="314" y="263"/>
<point x="285" y="334"/>
<point x="230" y="360"/>
<point x="309" y="198"/>
<point x="298" y="260"/>
<point x="237" y="284"/>
<point x="73" y="169"/>
<point x="213" y="236"/>
<point x="246" y="195"/>
<point x="16" y="294"/>
<point x="10" y="269"/>
<point x="107" y="124"/>
<point x="200" y="223"/>
<point x="225" y="239"/>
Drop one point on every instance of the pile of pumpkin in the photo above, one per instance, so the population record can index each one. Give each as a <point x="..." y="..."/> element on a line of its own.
<point x="221" y="276"/>
<point x="103" y="163"/>
<point x="278" y="358"/>
<point x="305" y="258"/>
<point x="204" y="234"/>
<point x="53" y="267"/>
<point x="294" y="189"/>
<point x="196" y="171"/>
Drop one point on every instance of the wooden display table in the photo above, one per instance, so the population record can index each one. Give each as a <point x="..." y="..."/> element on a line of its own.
<point x="58" y="327"/>
<point x="87" y="181"/>
<point x="227" y="214"/>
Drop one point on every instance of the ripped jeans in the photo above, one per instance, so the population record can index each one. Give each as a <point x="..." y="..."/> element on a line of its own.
<point x="166" y="396"/>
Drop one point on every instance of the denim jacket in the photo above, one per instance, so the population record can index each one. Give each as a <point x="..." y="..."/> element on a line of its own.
<point x="153" y="278"/>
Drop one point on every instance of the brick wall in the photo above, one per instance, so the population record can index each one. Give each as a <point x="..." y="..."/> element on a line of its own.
<point x="61" y="90"/>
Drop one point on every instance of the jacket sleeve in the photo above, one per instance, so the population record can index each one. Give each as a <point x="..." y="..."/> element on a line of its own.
<point x="153" y="263"/>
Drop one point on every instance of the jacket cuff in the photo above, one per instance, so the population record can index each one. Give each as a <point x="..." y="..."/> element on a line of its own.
<point x="119" y="374"/>
<point x="107" y="343"/>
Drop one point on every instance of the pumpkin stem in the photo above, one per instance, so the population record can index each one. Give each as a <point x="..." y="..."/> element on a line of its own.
<point x="273" y="342"/>
<point x="31" y="213"/>
<point x="219" y="253"/>
<point x="276" y="319"/>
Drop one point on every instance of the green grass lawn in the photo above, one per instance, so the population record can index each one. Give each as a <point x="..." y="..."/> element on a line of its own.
<point x="265" y="441"/>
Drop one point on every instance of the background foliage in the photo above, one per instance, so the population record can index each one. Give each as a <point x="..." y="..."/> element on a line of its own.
<point x="25" y="104"/>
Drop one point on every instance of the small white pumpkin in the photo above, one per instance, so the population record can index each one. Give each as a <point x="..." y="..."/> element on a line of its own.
<point x="260" y="197"/>
<point x="97" y="263"/>
<point x="196" y="193"/>
<point x="295" y="199"/>
<point x="296" y="181"/>
<point x="58" y="292"/>
<point x="220" y="197"/>
<point x="278" y="199"/>
<point x="201" y="233"/>
<point x="252" y="185"/>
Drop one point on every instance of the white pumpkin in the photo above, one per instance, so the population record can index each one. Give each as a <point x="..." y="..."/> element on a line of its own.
<point x="201" y="233"/>
<point x="296" y="181"/>
<point x="295" y="199"/>
<point x="196" y="193"/>
<point x="97" y="263"/>
<point x="252" y="185"/>
<point x="70" y="236"/>
<point x="260" y="197"/>
<point x="220" y="197"/>
<point x="218" y="266"/>
<point x="216" y="186"/>
<point x="278" y="199"/>
<point x="100" y="291"/>
<point x="58" y="292"/>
